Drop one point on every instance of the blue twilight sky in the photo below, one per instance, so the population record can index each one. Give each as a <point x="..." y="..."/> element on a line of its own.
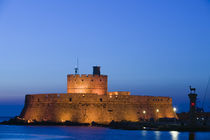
<point x="149" y="47"/>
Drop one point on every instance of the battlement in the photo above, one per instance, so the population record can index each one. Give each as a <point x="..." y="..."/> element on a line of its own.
<point x="86" y="76"/>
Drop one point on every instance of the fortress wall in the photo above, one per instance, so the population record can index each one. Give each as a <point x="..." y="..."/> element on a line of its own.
<point x="85" y="108"/>
<point x="87" y="84"/>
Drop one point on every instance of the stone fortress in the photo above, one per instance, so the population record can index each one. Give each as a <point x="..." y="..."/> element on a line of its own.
<point x="87" y="100"/>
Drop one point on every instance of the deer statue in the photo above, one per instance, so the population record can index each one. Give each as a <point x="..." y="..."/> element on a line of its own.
<point x="192" y="89"/>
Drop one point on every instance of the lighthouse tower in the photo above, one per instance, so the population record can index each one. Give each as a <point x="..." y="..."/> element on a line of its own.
<point x="193" y="97"/>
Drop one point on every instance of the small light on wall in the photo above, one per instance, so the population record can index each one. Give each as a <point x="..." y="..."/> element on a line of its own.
<point x="174" y="109"/>
<point x="157" y="110"/>
<point x="144" y="112"/>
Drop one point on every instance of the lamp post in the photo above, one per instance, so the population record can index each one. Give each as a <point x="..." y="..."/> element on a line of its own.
<point x="157" y="111"/>
<point x="144" y="112"/>
<point x="174" y="109"/>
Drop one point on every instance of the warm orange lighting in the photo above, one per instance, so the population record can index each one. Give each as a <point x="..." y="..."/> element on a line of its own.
<point x="29" y="121"/>
<point x="62" y="120"/>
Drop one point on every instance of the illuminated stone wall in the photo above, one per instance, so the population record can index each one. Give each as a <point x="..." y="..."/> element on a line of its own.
<point x="87" y="84"/>
<point x="119" y="93"/>
<point x="85" y="108"/>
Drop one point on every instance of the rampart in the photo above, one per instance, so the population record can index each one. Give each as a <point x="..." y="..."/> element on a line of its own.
<point x="86" y="108"/>
<point x="96" y="84"/>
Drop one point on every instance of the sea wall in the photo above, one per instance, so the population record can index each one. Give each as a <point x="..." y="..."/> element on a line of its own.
<point x="86" y="108"/>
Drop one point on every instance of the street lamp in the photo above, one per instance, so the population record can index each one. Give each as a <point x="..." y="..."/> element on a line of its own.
<point x="174" y="109"/>
<point x="144" y="112"/>
<point x="157" y="110"/>
<point x="175" y="112"/>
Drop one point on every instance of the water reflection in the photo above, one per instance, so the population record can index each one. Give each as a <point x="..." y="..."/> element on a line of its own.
<point x="191" y="136"/>
<point x="174" y="135"/>
<point x="157" y="135"/>
<point x="92" y="133"/>
<point x="144" y="133"/>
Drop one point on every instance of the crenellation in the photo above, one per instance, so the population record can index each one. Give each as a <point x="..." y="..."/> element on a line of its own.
<point x="85" y="75"/>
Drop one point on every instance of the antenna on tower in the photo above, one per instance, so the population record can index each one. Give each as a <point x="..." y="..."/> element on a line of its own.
<point x="76" y="69"/>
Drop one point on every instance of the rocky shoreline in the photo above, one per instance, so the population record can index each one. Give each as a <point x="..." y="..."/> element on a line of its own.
<point x="124" y="125"/>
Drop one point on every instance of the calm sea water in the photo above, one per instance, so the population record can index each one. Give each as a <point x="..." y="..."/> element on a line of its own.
<point x="91" y="133"/>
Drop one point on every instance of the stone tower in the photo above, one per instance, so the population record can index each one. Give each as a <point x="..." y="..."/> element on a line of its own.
<point x="193" y="97"/>
<point x="92" y="83"/>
